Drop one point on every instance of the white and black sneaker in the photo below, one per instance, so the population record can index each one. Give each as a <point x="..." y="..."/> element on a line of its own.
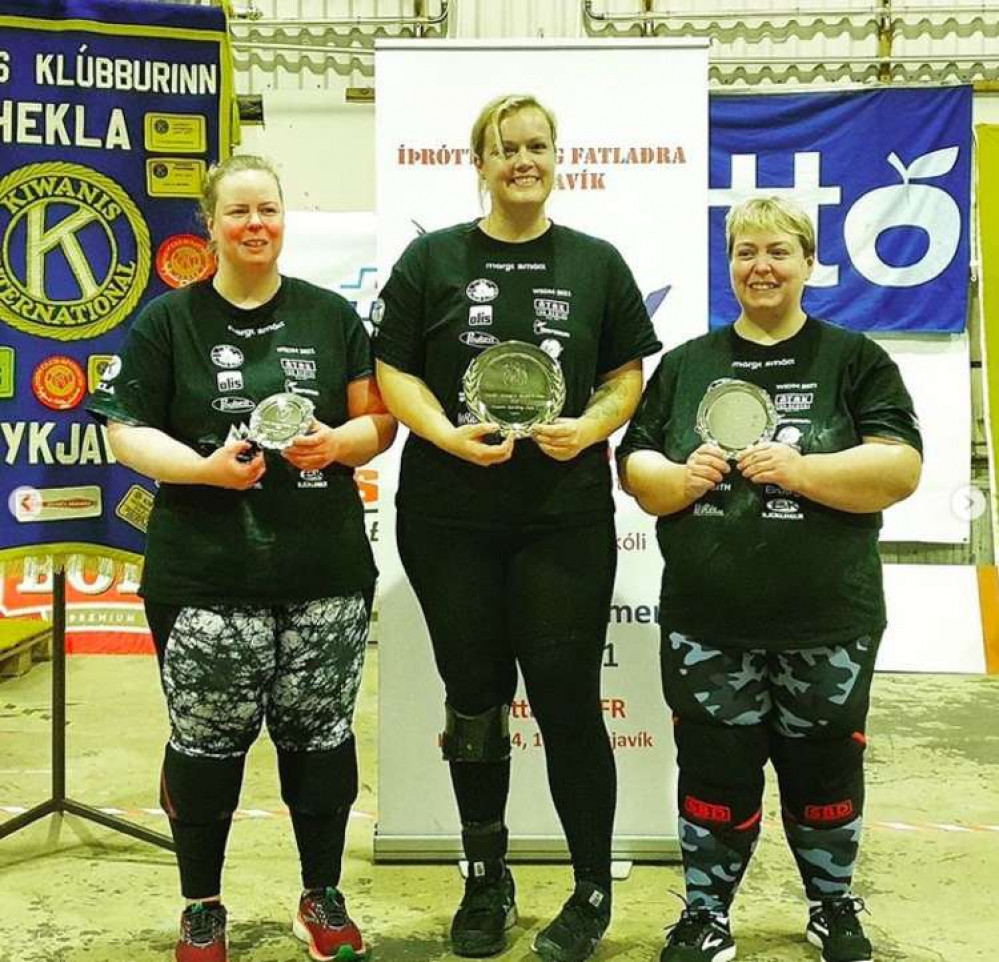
<point x="699" y="935"/>
<point x="834" y="926"/>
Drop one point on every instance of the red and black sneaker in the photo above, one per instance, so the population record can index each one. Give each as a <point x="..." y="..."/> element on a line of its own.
<point x="323" y="924"/>
<point x="202" y="934"/>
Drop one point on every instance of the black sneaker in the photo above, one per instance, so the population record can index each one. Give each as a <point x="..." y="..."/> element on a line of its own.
<point x="699" y="935"/>
<point x="486" y="912"/>
<point x="576" y="931"/>
<point x="834" y="927"/>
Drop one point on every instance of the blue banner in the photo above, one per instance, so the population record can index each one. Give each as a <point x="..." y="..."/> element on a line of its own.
<point x="886" y="176"/>
<point x="110" y="112"/>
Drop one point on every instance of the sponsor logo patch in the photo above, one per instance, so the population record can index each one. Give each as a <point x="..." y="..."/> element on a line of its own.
<point x="226" y="356"/>
<point x="135" y="507"/>
<point x="233" y="404"/>
<point x="59" y="383"/>
<point x="482" y="290"/>
<point x="86" y="251"/>
<point x="97" y="368"/>
<point x="183" y="259"/>
<point x="229" y="380"/>
<point x="478" y="339"/>
<point x="300" y="370"/>
<point x="6" y="372"/>
<point x="56" y="504"/>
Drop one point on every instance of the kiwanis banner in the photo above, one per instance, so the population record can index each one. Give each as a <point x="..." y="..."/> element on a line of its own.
<point x="886" y="176"/>
<point x="110" y="112"/>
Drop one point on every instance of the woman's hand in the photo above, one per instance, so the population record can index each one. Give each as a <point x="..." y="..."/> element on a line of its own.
<point x="705" y="470"/>
<point x="223" y="469"/>
<point x="317" y="449"/>
<point x="771" y="462"/>
<point x="468" y="443"/>
<point x="564" y="438"/>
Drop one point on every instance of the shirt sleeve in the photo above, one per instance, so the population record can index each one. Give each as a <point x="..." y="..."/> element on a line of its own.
<point x="627" y="333"/>
<point x="399" y="318"/>
<point x="138" y="384"/>
<point x="358" y="344"/>
<point x="647" y="430"/>
<point x="880" y="403"/>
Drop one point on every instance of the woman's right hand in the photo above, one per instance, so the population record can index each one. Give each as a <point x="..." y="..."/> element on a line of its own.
<point x="705" y="470"/>
<point x="468" y="443"/>
<point x="223" y="469"/>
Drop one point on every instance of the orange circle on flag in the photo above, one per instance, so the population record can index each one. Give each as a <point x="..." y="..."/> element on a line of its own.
<point x="183" y="259"/>
<point x="59" y="383"/>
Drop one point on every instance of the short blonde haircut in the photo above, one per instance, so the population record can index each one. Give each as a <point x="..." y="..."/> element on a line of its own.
<point x="772" y="214"/>
<point x="235" y="164"/>
<point x="497" y="110"/>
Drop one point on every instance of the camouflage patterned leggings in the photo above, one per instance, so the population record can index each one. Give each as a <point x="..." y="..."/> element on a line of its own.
<point x="734" y="710"/>
<point x="224" y="669"/>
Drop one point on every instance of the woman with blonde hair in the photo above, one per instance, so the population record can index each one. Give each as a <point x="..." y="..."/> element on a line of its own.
<point x="258" y="574"/>
<point x="771" y="597"/>
<point x="509" y="544"/>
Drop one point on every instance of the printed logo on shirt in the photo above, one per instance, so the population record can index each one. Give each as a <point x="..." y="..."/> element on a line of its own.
<point x="794" y="401"/>
<point x="227" y="356"/>
<point x="551" y="310"/>
<point x="783" y="509"/>
<point x="790" y="435"/>
<point x="245" y="332"/>
<point x="312" y="479"/>
<point x="482" y="290"/>
<point x="706" y="508"/>
<point x="540" y="327"/>
<point x="300" y="370"/>
<point x="293" y="387"/>
<point x="480" y="315"/>
<point x="288" y="349"/>
<point x="229" y="380"/>
<point x="233" y="404"/>
<point x="478" y="339"/>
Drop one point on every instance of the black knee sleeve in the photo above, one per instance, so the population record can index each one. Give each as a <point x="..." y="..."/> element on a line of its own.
<point x="476" y="738"/>
<point x="319" y="783"/>
<point x="721" y="773"/>
<point x="200" y="790"/>
<point x="821" y="780"/>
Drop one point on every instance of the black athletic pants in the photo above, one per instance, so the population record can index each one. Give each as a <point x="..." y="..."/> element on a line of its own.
<point x="538" y="598"/>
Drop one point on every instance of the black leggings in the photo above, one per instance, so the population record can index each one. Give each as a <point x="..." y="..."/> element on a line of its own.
<point x="539" y="598"/>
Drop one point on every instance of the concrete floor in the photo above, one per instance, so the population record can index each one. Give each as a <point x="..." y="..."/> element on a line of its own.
<point x="71" y="891"/>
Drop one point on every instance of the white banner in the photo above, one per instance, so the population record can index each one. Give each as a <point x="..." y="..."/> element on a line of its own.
<point x="633" y="170"/>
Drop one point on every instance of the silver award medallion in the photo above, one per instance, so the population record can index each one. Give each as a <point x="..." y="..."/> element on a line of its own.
<point x="735" y="415"/>
<point x="279" y="419"/>
<point x="515" y="385"/>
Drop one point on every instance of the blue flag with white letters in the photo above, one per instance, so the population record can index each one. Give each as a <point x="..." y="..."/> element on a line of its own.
<point x="110" y="113"/>
<point x="886" y="177"/>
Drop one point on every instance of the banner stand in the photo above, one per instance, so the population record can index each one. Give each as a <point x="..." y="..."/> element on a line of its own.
<point x="59" y="803"/>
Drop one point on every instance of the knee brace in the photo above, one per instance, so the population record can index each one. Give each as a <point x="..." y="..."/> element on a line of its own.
<point x="476" y="738"/>
<point x="721" y="773"/>
<point x="199" y="790"/>
<point x="821" y="780"/>
<point x="319" y="783"/>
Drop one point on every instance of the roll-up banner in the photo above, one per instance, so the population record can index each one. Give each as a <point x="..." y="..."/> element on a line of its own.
<point x="633" y="170"/>
<point x="110" y="113"/>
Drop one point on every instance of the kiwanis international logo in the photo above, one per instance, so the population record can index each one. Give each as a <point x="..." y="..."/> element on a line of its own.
<point x="74" y="251"/>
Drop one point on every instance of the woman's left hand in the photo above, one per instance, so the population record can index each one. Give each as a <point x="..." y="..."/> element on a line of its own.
<point x="316" y="450"/>
<point x="772" y="463"/>
<point x="564" y="438"/>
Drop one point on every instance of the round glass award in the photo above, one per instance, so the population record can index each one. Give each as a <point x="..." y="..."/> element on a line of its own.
<point x="277" y="420"/>
<point x="515" y="385"/>
<point x="735" y="415"/>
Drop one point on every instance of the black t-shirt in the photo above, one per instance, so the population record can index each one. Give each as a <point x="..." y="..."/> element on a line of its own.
<point x="194" y="365"/>
<point x="751" y="565"/>
<point x="457" y="291"/>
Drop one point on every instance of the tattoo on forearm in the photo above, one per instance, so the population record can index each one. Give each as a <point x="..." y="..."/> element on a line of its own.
<point x="607" y="403"/>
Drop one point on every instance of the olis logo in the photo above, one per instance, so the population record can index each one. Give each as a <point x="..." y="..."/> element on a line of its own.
<point x="74" y="251"/>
